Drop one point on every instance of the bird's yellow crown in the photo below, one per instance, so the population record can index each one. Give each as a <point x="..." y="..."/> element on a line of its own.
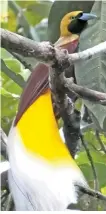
<point x="66" y="21"/>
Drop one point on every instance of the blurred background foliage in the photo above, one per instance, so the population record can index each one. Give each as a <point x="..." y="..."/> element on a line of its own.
<point x="30" y="19"/>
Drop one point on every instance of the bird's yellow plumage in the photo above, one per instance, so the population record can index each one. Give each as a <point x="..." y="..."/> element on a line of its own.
<point x="39" y="132"/>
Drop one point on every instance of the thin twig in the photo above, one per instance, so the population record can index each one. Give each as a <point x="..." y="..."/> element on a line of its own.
<point x="17" y="78"/>
<point x="92" y="192"/>
<point x="88" y="53"/>
<point x="85" y="93"/>
<point x="103" y="148"/>
<point x="91" y="162"/>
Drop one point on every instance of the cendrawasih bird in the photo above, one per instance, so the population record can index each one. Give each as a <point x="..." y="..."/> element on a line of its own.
<point x="43" y="174"/>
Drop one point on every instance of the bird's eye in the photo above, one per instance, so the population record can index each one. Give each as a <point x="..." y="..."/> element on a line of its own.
<point x="73" y="17"/>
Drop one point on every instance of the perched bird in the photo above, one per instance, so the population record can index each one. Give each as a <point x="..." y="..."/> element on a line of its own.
<point x="43" y="175"/>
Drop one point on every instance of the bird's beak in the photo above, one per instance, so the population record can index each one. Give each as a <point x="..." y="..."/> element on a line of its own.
<point x="87" y="16"/>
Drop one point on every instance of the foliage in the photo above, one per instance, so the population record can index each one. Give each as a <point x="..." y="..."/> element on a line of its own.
<point x="32" y="22"/>
<point x="93" y="72"/>
<point x="34" y="13"/>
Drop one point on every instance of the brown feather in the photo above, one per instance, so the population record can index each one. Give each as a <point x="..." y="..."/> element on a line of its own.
<point x="36" y="85"/>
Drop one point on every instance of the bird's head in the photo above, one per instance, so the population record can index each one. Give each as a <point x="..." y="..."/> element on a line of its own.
<point x="74" y="22"/>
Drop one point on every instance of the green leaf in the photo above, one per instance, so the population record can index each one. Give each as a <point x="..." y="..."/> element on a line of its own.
<point x="99" y="160"/>
<point x="58" y="10"/>
<point x="60" y="123"/>
<point x="24" y="4"/>
<point x="41" y="8"/>
<point x="103" y="138"/>
<point x="92" y="73"/>
<point x="78" y="104"/>
<point x="13" y="64"/>
<point x="103" y="190"/>
<point x="9" y="107"/>
<point x="97" y="157"/>
<point x="91" y="139"/>
<point x="11" y="24"/>
<point x="5" y="54"/>
<point x="8" y="83"/>
<point x="25" y="73"/>
<point x="35" y="11"/>
<point x="8" y="94"/>
<point x="101" y="173"/>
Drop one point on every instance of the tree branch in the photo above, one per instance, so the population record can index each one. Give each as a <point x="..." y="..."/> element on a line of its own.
<point x="17" y="78"/>
<point x="26" y="47"/>
<point x="92" y="193"/>
<point x="88" y="53"/>
<point x="44" y="51"/>
<point x="71" y="117"/>
<point x="85" y="93"/>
